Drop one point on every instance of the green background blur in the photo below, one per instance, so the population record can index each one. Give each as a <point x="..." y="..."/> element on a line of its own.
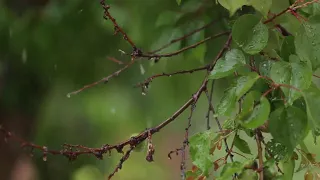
<point x="49" y="48"/>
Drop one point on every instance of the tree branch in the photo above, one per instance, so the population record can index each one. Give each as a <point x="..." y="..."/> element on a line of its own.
<point x="103" y="80"/>
<point x="149" y="80"/>
<point x="117" y="28"/>
<point x="258" y="140"/>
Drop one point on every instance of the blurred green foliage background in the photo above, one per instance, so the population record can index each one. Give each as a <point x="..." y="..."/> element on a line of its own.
<point x="49" y="48"/>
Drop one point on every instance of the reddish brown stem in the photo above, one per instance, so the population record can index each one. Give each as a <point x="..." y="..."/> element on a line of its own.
<point x="117" y="28"/>
<point x="115" y="60"/>
<point x="122" y="160"/>
<point x="103" y="80"/>
<point x="258" y="140"/>
<point x="275" y="16"/>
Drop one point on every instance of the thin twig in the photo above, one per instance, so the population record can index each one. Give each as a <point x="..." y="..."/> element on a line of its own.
<point x="115" y="60"/>
<point x="219" y="125"/>
<point x="149" y="80"/>
<point x="103" y="80"/>
<point x="122" y="160"/>
<point x="316" y="76"/>
<point x="186" y="143"/>
<point x="275" y="16"/>
<point x="117" y="28"/>
<point x="210" y="100"/>
<point x="258" y="140"/>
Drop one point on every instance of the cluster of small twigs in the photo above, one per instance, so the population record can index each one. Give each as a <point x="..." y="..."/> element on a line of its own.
<point x="72" y="152"/>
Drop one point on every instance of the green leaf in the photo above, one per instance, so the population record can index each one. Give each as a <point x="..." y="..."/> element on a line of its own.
<point x="296" y="73"/>
<point x="200" y="146"/>
<point x="228" y="65"/>
<point x="277" y="150"/>
<point x="265" y="67"/>
<point x="307" y="41"/>
<point x="287" y="48"/>
<point x="273" y="41"/>
<point x="178" y="2"/>
<point x="257" y="116"/>
<point x="234" y="93"/>
<point x="271" y="54"/>
<point x="228" y="124"/>
<point x="269" y="172"/>
<point x="248" y="102"/>
<point x="248" y="174"/>
<point x="250" y="34"/>
<point x="288" y="126"/>
<point x="230" y="169"/>
<point x="241" y="144"/>
<point x="193" y="174"/>
<point x="227" y="102"/>
<point x="232" y="5"/>
<point x="244" y="83"/>
<point x="312" y="99"/>
<point x="262" y="6"/>
<point x="288" y="169"/>
<point x="278" y="6"/>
